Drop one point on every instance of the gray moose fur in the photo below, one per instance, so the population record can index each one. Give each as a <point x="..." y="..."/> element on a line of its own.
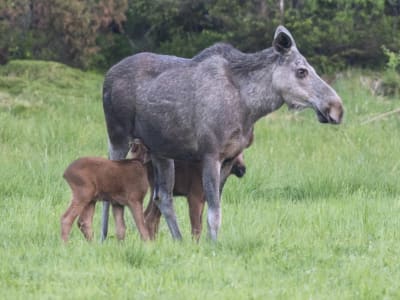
<point x="204" y="109"/>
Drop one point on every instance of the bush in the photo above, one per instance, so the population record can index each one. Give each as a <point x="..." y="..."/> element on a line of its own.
<point x="97" y="33"/>
<point x="390" y="85"/>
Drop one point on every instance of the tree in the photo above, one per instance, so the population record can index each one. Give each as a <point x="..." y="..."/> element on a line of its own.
<point x="56" y="29"/>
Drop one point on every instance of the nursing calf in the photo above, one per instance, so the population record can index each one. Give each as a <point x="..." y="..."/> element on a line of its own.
<point x="188" y="183"/>
<point x="123" y="183"/>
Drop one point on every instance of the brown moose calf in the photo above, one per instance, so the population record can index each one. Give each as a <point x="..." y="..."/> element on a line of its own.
<point x="121" y="182"/>
<point x="188" y="183"/>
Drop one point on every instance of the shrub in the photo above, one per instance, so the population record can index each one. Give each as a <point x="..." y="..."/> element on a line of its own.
<point x="390" y="85"/>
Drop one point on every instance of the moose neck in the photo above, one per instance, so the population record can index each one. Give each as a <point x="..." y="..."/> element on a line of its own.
<point x="253" y="75"/>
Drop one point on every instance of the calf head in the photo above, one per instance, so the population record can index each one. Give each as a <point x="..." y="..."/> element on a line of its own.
<point x="138" y="151"/>
<point x="239" y="167"/>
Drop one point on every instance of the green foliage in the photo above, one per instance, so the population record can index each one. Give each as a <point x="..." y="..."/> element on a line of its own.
<point x="111" y="48"/>
<point x="393" y="62"/>
<point x="331" y="34"/>
<point x="315" y="216"/>
<point x="56" y="29"/>
<point x="390" y="85"/>
<point x="187" y="45"/>
<point x="335" y="34"/>
<point x="96" y="34"/>
<point x="186" y="27"/>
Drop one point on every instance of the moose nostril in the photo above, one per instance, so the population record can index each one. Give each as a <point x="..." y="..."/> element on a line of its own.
<point x="336" y="112"/>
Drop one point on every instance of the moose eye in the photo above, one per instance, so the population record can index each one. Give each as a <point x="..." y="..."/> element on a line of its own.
<point x="301" y="73"/>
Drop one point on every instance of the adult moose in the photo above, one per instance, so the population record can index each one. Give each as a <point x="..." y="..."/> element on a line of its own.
<point x="141" y="69"/>
<point x="204" y="111"/>
<point x="135" y="72"/>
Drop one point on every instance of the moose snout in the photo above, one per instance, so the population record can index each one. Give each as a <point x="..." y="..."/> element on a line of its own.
<point x="336" y="112"/>
<point x="332" y="113"/>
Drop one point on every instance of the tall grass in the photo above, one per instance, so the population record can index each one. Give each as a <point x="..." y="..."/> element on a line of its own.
<point x="315" y="217"/>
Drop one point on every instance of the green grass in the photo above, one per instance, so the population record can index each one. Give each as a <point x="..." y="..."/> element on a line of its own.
<point x="315" y="217"/>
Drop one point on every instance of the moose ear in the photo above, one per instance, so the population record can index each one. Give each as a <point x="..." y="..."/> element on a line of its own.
<point x="283" y="40"/>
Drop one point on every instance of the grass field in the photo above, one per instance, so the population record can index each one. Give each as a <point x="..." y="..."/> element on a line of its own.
<point x="315" y="217"/>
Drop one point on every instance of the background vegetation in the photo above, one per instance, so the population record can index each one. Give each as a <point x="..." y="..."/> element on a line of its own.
<point x="97" y="33"/>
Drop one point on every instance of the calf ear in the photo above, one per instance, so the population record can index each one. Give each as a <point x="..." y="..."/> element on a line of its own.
<point x="145" y="154"/>
<point x="146" y="157"/>
<point x="283" y="40"/>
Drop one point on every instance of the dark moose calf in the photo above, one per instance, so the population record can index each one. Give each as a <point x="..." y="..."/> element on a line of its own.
<point x="188" y="183"/>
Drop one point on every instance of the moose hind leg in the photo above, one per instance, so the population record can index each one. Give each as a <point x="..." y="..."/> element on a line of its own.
<point x="211" y="186"/>
<point x="164" y="179"/>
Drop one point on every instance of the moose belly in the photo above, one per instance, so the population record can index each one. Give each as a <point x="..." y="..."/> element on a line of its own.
<point x="181" y="139"/>
<point x="169" y="141"/>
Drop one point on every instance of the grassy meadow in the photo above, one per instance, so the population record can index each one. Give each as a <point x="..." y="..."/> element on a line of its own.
<point x="315" y="217"/>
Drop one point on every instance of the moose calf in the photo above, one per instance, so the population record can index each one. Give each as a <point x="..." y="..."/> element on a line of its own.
<point x="121" y="182"/>
<point x="188" y="183"/>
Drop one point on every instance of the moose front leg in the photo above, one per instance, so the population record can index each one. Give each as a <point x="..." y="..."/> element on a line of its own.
<point x="104" y="220"/>
<point x="211" y="186"/>
<point x="164" y="179"/>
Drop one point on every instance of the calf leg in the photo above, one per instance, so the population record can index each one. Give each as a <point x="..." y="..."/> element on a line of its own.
<point x="164" y="178"/>
<point x="196" y="206"/>
<point x="136" y="208"/>
<point x="67" y="219"/>
<point x="120" y="227"/>
<point x="152" y="217"/>
<point x="211" y="187"/>
<point x="117" y="150"/>
<point x="85" y="221"/>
